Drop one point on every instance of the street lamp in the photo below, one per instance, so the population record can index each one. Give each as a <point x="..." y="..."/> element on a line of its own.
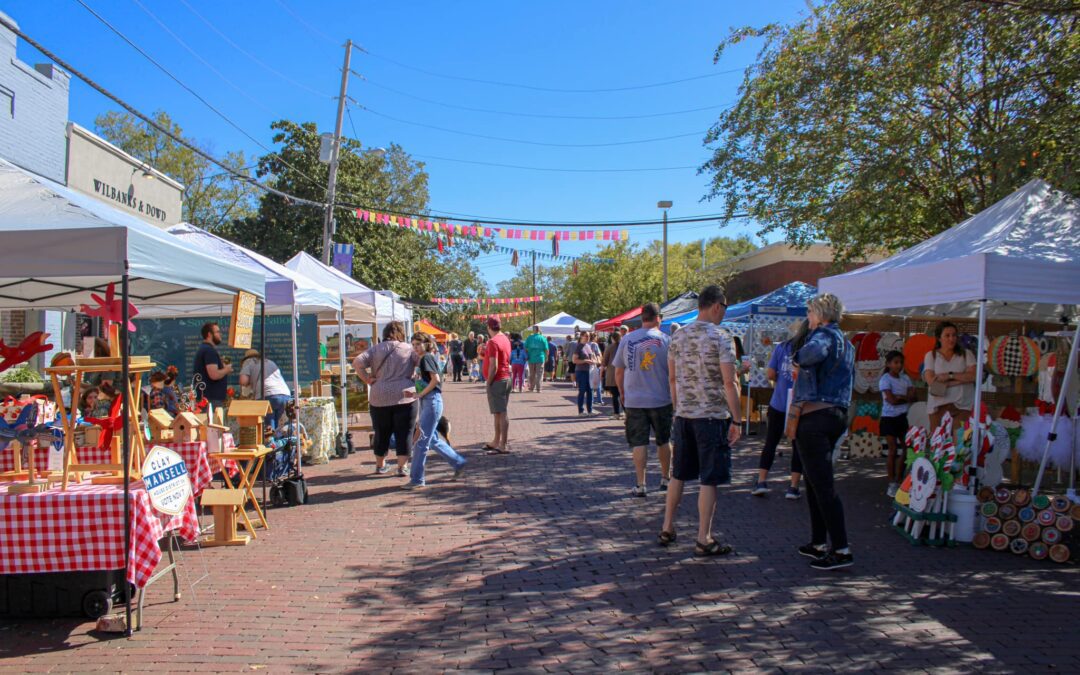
<point x="665" y="204"/>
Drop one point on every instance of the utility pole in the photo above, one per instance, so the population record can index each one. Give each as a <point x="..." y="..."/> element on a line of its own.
<point x="335" y="152"/>
<point x="666" y="204"/>
<point x="534" y="286"/>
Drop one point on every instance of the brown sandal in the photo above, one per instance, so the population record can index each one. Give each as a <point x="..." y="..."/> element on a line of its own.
<point x="666" y="538"/>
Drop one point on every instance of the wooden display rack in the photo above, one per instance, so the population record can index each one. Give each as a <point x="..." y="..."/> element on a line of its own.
<point x="36" y="481"/>
<point x="113" y="472"/>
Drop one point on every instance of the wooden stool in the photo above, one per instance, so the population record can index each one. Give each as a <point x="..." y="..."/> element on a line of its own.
<point x="224" y="504"/>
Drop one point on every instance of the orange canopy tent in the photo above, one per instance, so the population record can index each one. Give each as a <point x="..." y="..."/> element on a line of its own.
<point x="425" y="326"/>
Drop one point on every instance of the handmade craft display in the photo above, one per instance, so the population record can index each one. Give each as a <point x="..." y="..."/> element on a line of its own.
<point x="923" y="498"/>
<point x="110" y="310"/>
<point x="915" y="350"/>
<point x="1013" y="355"/>
<point x="160" y="423"/>
<point x="868" y="362"/>
<point x="1043" y="527"/>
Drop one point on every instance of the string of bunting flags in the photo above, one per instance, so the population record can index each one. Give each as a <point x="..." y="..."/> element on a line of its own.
<point x="503" y="315"/>
<point x="487" y="301"/>
<point x="477" y="231"/>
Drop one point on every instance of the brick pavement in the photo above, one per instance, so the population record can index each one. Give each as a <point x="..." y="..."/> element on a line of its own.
<point x="541" y="562"/>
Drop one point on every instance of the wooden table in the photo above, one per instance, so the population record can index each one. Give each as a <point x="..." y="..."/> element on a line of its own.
<point x="250" y="463"/>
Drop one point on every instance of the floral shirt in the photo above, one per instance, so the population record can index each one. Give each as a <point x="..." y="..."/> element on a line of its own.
<point x="696" y="353"/>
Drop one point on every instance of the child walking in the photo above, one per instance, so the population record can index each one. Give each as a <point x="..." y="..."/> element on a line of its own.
<point x="897" y="393"/>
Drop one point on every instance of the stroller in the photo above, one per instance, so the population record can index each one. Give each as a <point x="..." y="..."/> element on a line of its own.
<point x="288" y="487"/>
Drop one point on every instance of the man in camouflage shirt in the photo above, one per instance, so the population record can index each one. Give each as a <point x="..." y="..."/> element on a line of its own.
<point x="705" y="391"/>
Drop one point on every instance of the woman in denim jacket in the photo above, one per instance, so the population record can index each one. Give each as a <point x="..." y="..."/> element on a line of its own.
<point x="826" y="365"/>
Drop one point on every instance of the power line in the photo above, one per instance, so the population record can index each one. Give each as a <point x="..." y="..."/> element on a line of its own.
<point x="512" y="113"/>
<point x="528" y="142"/>
<point x="303" y="22"/>
<point x="251" y="56"/>
<point x="557" y="169"/>
<point x="292" y="199"/>
<point x="557" y="90"/>
<point x="194" y="93"/>
<point x="199" y="57"/>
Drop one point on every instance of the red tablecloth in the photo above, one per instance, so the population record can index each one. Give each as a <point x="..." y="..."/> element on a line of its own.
<point x="82" y="529"/>
<point x="200" y="466"/>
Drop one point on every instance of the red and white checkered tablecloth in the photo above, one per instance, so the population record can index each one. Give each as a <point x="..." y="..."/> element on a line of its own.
<point x="82" y="529"/>
<point x="201" y="468"/>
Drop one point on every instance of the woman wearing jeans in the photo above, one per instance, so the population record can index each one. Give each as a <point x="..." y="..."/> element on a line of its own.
<point x="585" y="359"/>
<point x="431" y="409"/>
<point x="826" y="362"/>
<point x="392" y="396"/>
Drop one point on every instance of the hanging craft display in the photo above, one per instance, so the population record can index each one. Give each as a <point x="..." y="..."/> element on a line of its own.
<point x="1014" y="356"/>
<point x="915" y="350"/>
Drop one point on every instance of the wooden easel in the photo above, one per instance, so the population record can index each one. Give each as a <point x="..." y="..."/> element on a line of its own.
<point x="137" y="366"/>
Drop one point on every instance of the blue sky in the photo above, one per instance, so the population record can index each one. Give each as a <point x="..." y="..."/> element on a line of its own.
<point x="297" y="50"/>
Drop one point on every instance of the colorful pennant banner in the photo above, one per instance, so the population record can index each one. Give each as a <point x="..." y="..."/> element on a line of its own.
<point x="478" y="231"/>
<point x="487" y="301"/>
<point x="502" y="315"/>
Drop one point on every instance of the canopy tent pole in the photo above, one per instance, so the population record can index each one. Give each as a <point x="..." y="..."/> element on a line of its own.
<point x="1051" y="436"/>
<point x="344" y="382"/>
<point x="125" y="376"/>
<point x="749" y="386"/>
<point x="976" y="435"/>
<point x="294" y="316"/>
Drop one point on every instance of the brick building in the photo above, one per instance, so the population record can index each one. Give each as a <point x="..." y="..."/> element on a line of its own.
<point x="779" y="264"/>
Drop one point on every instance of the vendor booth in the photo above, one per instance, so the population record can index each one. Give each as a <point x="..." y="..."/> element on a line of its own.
<point x="1010" y="273"/>
<point x="680" y="304"/>
<point x="614" y="322"/>
<point x="562" y="325"/>
<point x="425" y="326"/>
<point x="288" y="293"/>
<point x="62" y="250"/>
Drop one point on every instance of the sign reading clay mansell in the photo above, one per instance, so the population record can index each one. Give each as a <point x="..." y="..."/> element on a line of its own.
<point x="103" y="171"/>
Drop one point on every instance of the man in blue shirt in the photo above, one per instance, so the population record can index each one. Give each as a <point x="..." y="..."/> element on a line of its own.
<point x="210" y="371"/>
<point x="641" y="374"/>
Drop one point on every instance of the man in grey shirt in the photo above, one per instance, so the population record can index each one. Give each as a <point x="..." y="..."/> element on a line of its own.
<point x="641" y="374"/>
<point x="272" y="386"/>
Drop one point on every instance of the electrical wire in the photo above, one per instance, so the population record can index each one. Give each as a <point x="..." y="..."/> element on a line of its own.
<point x="194" y="93"/>
<point x="512" y="113"/>
<point x="527" y="142"/>
<point x="556" y="169"/>
<point x="557" y="90"/>
<point x="199" y="57"/>
<point x="252" y="57"/>
<point x="303" y="22"/>
<point x="293" y="199"/>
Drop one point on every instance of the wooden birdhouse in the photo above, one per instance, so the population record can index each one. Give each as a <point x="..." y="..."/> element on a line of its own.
<point x="185" y="428"/>
<point x="249" y="415"/>
<point x="160" y="425"/>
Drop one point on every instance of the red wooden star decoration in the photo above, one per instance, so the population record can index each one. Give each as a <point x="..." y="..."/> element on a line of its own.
<point x="111" y="308"/>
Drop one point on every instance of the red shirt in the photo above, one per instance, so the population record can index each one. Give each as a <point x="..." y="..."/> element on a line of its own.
<point x="498" y="348"/>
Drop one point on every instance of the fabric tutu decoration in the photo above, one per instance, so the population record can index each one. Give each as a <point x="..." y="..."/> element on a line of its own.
<point x="1032" y="441"/>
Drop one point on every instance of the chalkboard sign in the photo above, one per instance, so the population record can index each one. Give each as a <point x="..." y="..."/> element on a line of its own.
<point x="172" y="342"/>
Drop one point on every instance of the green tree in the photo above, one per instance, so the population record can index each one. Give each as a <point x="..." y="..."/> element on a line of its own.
<point x="212" y="198"/>
<point x="386" y="257"/>
<point x="874" y="124"/>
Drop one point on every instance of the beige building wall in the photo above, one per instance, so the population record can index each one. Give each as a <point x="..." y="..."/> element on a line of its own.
<point x="101" y="170"/>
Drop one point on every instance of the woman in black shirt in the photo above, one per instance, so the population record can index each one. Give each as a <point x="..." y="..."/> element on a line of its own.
<point x="429" y="391"/>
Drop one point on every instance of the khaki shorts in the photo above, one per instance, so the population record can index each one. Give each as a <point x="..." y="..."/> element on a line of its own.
<point x="498" y="395"/>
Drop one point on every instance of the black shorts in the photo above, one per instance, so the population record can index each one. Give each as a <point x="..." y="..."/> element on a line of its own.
<point x="897" y="427"/>
<point x="701" y="451"/>
<point x="640" y="421"/>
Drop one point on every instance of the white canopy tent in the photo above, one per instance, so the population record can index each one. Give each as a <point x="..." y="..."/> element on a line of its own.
<point x="287" y="291"/>
<point x="57" y="246"/>
<point x="1018" y="259"/>
<point x="561" y="325"/>
<point x="387" y="308"/>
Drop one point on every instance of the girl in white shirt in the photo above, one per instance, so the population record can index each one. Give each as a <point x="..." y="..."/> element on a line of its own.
<point x="897" y="393"/>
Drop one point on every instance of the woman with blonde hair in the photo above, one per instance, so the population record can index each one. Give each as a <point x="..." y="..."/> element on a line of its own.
<point x="822" y="394"/>
<point x="431" y="408"/>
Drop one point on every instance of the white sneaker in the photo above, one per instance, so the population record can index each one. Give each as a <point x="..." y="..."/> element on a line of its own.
<point x="640" y="491"/>
<point x="891" y="492"/>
